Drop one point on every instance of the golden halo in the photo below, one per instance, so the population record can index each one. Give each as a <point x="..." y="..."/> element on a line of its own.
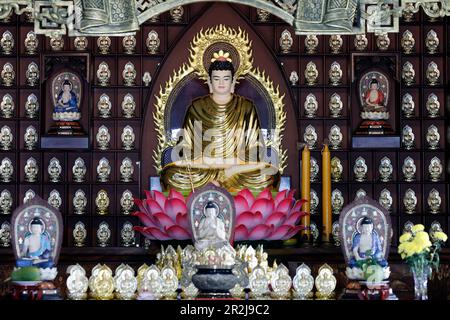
<point x="215" y="39"/>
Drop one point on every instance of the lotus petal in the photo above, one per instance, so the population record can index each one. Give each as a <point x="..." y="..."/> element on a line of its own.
<point x="145" y="232"/>
<point x="265" y="194"/>
<point x="140" y="204"/>
<point x="158" y="234"/>
<point x="276" y="219"/>
<point x="148" y="194"/>
<point x="279" y="232"/>
<point x="260" y="232"/>
<point x="164" y="220"/>
<point x="247" y="196"/>
<point x="174" y="207"/>
<point x="292" y="232"/>
<point x="250" y="219"/>
<point x="240" y="233"/>
<point x="285" y="205"/>
<point x="183" y="220"/>
<point x="160" y="198"/>
<point x="291" y="193"/>
<point x="174" y="194"/>
<point x="280" y="196"/>
<point x="146" y="219"/>
<point x="298" y="205"/>
<point x="178" y="233"/>
<point x="293" y="219"/>
<point x="241" y="204"/>
<point x="265" y="206"/>
<point x="155" y="233"/>
<point x="153" y="206"/>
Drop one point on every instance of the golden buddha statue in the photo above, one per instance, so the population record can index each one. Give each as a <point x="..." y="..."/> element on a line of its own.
<point x="221" y="139"/>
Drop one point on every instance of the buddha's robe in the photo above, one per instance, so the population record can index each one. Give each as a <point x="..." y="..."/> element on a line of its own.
<point x="228" y="155"/>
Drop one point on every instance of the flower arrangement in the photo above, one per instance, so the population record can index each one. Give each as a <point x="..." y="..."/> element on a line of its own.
<point x="422" y="255"/>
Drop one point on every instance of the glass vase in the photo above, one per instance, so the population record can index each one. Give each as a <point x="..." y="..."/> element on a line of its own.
<point x="421" y="275"/>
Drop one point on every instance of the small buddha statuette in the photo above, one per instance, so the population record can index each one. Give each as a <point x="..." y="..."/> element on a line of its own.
<point x="336" y="43"/>
<point x="102" y="202"/>
<point x="433" y="105"/>
<point x="79" y="170"/>
<point x="153" y="42"/>
<point x="6" y="202"/>
<point x="7" y="106"/>
<point x="104" y="106"/>
<point x="129" y="74"/>
<point x="31" y="170"/>
<point x="57" y="42"/>
<point x="408" y="105"/>
<point x="6" y="170"/>
<point x="383" y="42"/>
<point x="126" y="170"/>
<point x="409" y="169"/>
<point x="8" y="75"/>
<point x="432" y="42"/>
<point x="103" y="138"/>
<point x="335" y="74"/>
<point x="80" y="43"/>
<point x="335" y="105"/>
<point x="360" y="169"/>
<point x="29" y="195"/>
<point x="54" y="170"/>
<point x="361" y="42"/>
<point x="103" y="170"/>
<point x="311" y="43"/>
<point x="128" y="106"/>
<point x="6" y="138"/>
<point x="7" y="43"/>
<point x="311" y="74"/>
<point x="311" y="106"/>
<point x="126" y="202"/>
<point x="32" y="74"/>
<point x="103" y="74"/>
<point x="335" y="137"/>
<point x="55" y="199"/>
<point x="408" y="73"/>
<point x="129" y="44"/>
<point x="79" y="235"/>
<point x="310" y="137"/>
<point x="407" y="42"/>
<point x="79" y="202"/>
<point x="104" y="44"/>
<point x="31" y="43"/>
<point x="385" y="199"/>
<point x="31" y="106"/>
<point x="286" y="41"/>
<point x="128" y="138"/>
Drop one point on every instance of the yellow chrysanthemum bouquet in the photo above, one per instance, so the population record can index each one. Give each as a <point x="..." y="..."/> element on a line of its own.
<point x="421" y="254"/>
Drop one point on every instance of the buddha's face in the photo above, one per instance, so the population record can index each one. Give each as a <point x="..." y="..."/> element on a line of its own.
<point x="211" y="212"/>
<point x="366" y="228"/>
<point x="221" y="81"/>
<point x="36" y="229"/>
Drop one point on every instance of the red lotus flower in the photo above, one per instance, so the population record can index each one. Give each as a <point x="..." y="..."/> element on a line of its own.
<point x="265" y="218"/>
<point x="163" y="218"/>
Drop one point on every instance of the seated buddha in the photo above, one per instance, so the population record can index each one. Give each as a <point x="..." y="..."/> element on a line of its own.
<point x="221" y="140"/>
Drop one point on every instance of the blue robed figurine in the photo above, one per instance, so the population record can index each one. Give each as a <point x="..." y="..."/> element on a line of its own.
<point x="366" y="244"/>
<point x="67" y="101"/>
<point x="37" y="248"/>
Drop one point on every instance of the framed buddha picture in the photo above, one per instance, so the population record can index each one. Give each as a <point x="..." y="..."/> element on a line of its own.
<point x="66" y="120"/>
